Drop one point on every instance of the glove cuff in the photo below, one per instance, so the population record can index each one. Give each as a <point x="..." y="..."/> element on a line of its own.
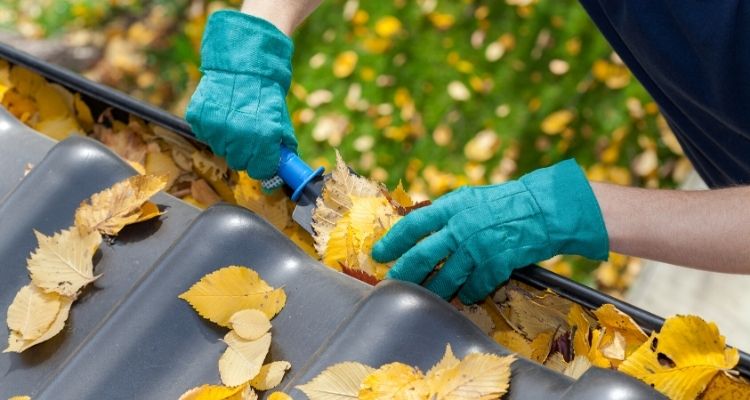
<point x="570" y="210"/>
<point x="239" y="43"/>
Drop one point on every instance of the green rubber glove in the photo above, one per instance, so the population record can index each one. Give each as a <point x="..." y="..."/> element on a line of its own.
<point x="239" y="107"/>
<point x="486" y="232"/>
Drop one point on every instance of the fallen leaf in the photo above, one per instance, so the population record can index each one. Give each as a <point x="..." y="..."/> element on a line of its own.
<point x="557" y="122"/>
<point x="556" y="362"/>
<point x="448" y="362"/>
<point x="615" y="320"/>
<point x="540" y="346"/>
<point x="477" y="376"/>
<point x="203" y="193"/>
<point x="401" y="197"/>
<point x="483" y="146"/>
<point x="62" y="263"/>
<point x="279" y="396"/>
<point x="514" y="342"/>
<point x="336" y="201"/>
<point x="682" y="358"/>
<point x="274" y="207"/>
<point x="479" y="316"/>
<point x="727" y="387"/>
<point x="161" y="163"/>
<point x="59" y="128"/>
<point x="338" y="382"/>
<point x="250" y="324"/>
<point x="243" y="359"/>
<point x="33" y="311"/>
<point x="149" y="211"/>
<point x="110" y="210"/>
<point x="394" y="381"/>
<point x="577" y="367"/>
<point x="344" y="64"/>
<point x="211" y="392"/>
<point x="270" y="375"/>
<point x="222" y="293"/>
<point x="17" y="344"/>
<point x="614" y="350"/>
<point x="458" y="91"/>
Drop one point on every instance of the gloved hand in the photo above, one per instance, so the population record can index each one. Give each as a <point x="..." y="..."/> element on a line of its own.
<point x="486" y="232"/>
<point x="239" y="107"/>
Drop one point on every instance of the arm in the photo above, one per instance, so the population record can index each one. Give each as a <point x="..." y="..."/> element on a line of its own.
<point x="702" y="229"/>
<point x="239" y="107"/>
<point x="284" y="14"/>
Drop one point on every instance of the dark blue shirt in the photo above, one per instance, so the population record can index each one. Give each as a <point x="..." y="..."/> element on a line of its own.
<point x="693" y="56"/>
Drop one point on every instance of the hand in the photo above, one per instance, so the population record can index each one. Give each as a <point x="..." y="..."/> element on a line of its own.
<point x="486" y="232"/>
<point x="239" y="107"/>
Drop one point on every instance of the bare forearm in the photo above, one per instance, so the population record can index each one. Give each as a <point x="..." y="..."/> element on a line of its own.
<point x="284" y="14"/>
<point x="702" y="229"/>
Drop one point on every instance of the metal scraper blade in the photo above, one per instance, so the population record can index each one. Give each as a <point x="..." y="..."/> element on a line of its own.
<point x="302" y="213"/>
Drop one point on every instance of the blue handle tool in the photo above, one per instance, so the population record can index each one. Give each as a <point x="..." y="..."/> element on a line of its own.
<point x="296" y="173"/>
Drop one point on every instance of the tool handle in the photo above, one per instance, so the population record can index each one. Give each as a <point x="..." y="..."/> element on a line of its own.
<point x="295" y="172"/>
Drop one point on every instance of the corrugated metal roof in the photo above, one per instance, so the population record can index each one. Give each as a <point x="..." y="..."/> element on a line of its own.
<point x="130" y="337"/>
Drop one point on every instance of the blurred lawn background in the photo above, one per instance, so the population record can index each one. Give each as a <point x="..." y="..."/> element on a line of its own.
<point x="434" y="93"/>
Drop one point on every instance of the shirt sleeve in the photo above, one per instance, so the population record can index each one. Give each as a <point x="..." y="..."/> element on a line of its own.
<point x="693" y="56"/>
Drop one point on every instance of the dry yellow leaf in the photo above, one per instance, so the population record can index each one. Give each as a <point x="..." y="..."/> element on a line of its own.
<point x="215" y="171"/>
<point x="59" y="128"/>
<point x="111" y="209"/>
<point x="63" y="263"/>
<point x="82" y="112"/>
<point x="581" y="330"/>
<point x="250" y="324"/>
<point x="243" y="359"/>
<point x="148" y="211"/>
<point x="514" y="342"/>
<point x="203" y="193"/>
<point x="401" y="197"/>
<point x="387" y="26"/>
<point x="595" y="354"/>
<point x="161" y="163"/>
<point x="448" y="362"/>
<point x="338" y="382"/>
<point x="614" y="349"/>
<point x="532" y="311"/>
<point x="220" y="294"/>
<point x="727" y="387"/>
<point x="336" y="201"/>
<point x="479" y="316"/>
<point x="557" y="122"/>
<point x="617" y="321"/>
<point x="211" y="392"/>
<point x="51" y="103"/>
<point x="218" y="392"/>
<point x="682" y="358"/>
<point x="344" y="64"/>
<point x="18" y="345"/>
<point x="123" y="141"/>
<point x="32" y="312"/>
<point x="279" y="396"/>
<point x="24" y="81"/>
<point x="577" y="367"/>
<point x="556" y="362"/>
<point x="540" y="346"/>
<point x="394" y="381"/>
<point x="274" y="207"/>
<point x="270" y="375"/>
<point x="350" y="241"/>
<point x="20" y="398"/>
<point x="476" y="377"/>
